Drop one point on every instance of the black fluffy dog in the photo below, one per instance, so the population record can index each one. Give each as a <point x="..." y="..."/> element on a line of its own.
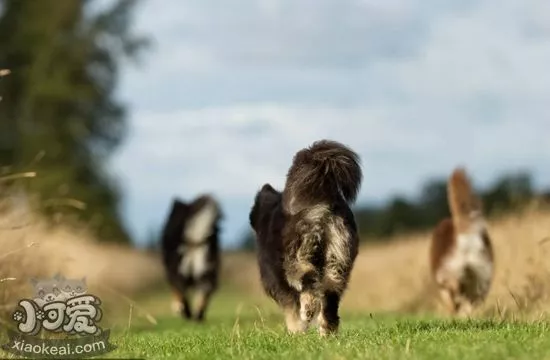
<point x="307" y="236"/>
<point x="190" y="252"/>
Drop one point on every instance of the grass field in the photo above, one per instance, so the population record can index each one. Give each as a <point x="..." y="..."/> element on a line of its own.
<point x="241" y="328"/>
<point x="389" y="310"/>
<point x="361" y="338"/>
<point x="255" y="331"/>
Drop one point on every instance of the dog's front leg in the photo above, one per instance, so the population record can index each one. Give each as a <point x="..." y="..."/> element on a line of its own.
<point x="185" y="307"/>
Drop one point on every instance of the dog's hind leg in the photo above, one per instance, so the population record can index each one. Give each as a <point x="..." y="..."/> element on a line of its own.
<point x="176" y="304"/>
<point x="328" y="317"/>
<point x="304" y="262"/>
<point x="204" y="295"/>
<point x="449" y="301"/>
<point x="304" y="277"/>
<point x="185" y="307"/>
<point x="338" y="266"/>
<point x="465" y="309"/>
<point x="335" y="282"/>
<point x="180" y="303"/>
<point x="293" y="321"/>
<point x="288" y="300"/>
<point x="310" y="297"/>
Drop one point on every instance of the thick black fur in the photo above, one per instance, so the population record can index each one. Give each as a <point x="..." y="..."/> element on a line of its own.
<point x="174" y="247"/>
<point x="307" y="237"/>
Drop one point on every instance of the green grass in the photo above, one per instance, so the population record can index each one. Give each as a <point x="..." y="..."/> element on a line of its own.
<point x="240" y="328"/>
<point x="361" y="337"/>
<point x="246" y="332"/>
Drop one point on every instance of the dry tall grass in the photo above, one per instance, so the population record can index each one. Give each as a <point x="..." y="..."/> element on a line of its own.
<point x="30" y="248"/>
<point x="394" y="276"/>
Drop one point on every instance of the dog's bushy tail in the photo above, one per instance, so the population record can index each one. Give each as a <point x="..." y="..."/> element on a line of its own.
<point x="324" y="172"/>
<point x="465" y="206"/>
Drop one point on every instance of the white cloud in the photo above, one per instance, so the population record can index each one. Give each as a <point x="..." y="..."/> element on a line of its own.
<point x="415" y="87"/>
<point x="235" y="149"/>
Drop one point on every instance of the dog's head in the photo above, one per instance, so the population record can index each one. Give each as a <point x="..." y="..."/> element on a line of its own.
<point x="264" y="203"/>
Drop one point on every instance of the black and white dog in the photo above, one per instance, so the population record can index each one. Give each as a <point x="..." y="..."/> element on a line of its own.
<point x="190" y="252"/>
<point x="307" y="237"/>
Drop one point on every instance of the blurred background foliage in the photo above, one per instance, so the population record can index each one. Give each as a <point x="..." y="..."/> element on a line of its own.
<point x="59" y="114"/>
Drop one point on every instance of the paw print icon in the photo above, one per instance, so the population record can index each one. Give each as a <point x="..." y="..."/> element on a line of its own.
<point x="18" y="316"/>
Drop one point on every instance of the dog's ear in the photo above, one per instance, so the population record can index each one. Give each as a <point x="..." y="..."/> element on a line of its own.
<point x="179" y="208"/>
<point x="179" y="204"/>
<point x="253" y="215"/>
<point x="267" y="188"/>
<point x="264" y="202"/>
<point x="175" y="216"/>
<point x="269" y="196"/>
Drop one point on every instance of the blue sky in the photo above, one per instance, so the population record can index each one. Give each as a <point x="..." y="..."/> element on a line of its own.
<point x="231" y="90"/>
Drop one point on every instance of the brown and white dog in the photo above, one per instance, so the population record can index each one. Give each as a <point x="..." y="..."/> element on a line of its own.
<point x="190" y="252"/>
<point x="461" y="253"/>
<point x="307" y="237"/>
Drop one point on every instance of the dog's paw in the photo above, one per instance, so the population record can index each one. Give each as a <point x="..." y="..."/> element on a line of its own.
<point x="465" y="310"/>
<point x="310" y="306"/>
<point x="294" y="324"/>
<point x="176" y="307"/>
<point x="327" y="328"/>
<point x="298" y="327"/>
<point x="325" y="331"/>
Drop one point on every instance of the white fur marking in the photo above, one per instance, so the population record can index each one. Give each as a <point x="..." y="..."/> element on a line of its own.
<point x="338" y="242"/>
<point x="295" y="284"/>
<point x="317" y="212"/>
<point x="199" y="226"/>
<point x="193" y="263"/>
<point x="469" y="251"/>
